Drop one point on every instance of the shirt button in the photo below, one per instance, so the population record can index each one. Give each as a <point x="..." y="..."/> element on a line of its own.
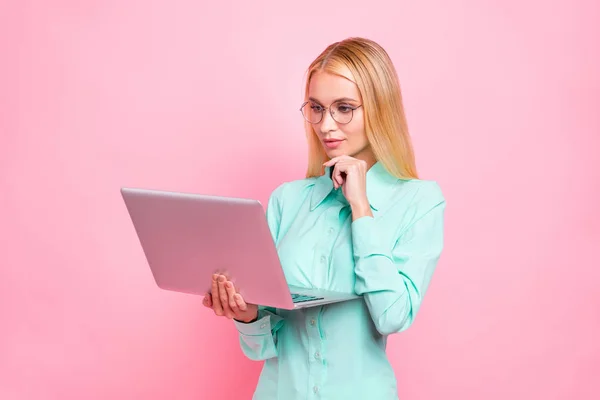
<point x="330" y="231"/>
<point x="317" y="355"/>
<point x="313" y="322"/>
<point x="316" y="389"/>
<point x="263" y="326"/>
<point x="323" y="259"/>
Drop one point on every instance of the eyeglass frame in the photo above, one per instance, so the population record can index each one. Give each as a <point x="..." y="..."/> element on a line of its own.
<point x="353" y="108"/>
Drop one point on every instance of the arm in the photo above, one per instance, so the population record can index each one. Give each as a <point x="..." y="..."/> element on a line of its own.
<point x="258" y="339"/>
<point x="394" y="280"/>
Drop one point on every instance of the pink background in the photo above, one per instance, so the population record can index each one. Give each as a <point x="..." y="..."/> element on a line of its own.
<point x="503" y="103"/>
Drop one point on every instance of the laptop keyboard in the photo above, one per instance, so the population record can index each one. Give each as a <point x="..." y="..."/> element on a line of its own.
<point x="300" y="298"/>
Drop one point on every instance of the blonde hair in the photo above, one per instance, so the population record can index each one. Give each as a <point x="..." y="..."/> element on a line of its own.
<point x="385" y="121"/>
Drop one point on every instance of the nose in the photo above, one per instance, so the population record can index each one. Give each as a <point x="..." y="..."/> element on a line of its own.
<point x="327" y="123"/>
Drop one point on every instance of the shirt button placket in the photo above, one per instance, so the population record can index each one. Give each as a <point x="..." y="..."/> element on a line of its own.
<point x="316" y="365"/>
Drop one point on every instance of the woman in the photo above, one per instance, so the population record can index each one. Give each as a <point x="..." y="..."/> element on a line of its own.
<point x="360" y="221"/>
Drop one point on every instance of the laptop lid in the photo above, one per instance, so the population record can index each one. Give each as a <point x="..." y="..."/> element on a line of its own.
<point x="186" y="238"/>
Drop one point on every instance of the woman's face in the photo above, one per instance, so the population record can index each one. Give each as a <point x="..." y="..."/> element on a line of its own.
<point x="327" y="91"/>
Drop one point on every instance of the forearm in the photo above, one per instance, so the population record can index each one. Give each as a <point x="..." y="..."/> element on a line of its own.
<point x="393" y="273"/>
<point x="388" y="295"/>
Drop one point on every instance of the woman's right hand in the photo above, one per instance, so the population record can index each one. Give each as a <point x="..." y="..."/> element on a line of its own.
<point x="225" y="301"/>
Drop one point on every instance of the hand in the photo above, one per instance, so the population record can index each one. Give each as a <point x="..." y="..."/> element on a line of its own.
<point x="351" y="175"/>
<point x="225" y="301"/>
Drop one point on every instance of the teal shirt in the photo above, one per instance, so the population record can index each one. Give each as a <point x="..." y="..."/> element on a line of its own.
<point x="338" y="351"/>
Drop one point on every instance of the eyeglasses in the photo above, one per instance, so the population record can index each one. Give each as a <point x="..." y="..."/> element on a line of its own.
<point x="341" y="112"/>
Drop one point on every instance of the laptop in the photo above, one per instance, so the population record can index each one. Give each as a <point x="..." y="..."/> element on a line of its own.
<point x="187" y="237"/>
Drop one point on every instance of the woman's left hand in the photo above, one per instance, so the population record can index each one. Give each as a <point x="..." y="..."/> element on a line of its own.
<point x="351" y="175"/>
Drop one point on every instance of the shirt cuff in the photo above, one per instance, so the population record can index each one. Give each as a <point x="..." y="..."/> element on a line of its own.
<point x="365" y="240"/>
<point x="262" y="326"/>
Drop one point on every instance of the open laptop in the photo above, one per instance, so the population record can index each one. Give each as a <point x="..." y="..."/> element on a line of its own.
<point x="186" y="238"/>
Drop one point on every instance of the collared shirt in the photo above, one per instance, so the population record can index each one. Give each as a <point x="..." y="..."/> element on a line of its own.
<point x="338" y="351"/>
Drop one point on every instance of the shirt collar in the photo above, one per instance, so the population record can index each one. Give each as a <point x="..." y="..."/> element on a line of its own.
<point x="380" y="183"/>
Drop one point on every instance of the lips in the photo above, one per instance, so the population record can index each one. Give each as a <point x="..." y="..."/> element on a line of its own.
<point x="332" y="143"/>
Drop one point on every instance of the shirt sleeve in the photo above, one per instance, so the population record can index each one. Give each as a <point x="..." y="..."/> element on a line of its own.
<point x="258" y="339"/>
<point x="393" y="274"/>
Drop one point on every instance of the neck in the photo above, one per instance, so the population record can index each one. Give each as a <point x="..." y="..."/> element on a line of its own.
<point x="367" y="156"/>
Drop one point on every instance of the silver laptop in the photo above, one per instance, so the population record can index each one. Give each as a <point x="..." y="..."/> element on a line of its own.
<point x="186" y="238"/>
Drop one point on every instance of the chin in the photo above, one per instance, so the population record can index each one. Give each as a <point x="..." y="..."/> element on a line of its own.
<point x="335" y="152"/>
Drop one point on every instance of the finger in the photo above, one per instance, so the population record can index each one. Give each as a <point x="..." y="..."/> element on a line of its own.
<point x="215" y="297"/>
<point x="339" y="175"/>
<point x="207" y="300"/>
<point x="340" y="178"/>
<point x="240" y="302"/>
<point x="330" y="162"/>
<point x="362" y="165"/>
<point x="223" y="297"/>
<point x="334" y="176"/>
<point x="231" y="297"/>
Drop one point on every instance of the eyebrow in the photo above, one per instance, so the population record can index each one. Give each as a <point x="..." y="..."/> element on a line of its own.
<point x="336" y="100"/>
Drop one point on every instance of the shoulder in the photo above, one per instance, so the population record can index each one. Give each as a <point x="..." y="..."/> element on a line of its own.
<point x="413" y="199"/>
<point x="419" y="192"/>
<point x="291" y="190"/>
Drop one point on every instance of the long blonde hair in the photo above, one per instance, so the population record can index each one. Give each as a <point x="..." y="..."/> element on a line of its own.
<point x="385" y="121"/>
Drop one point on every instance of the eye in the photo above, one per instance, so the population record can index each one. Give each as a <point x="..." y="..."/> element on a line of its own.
<point x="344" y="108"/>
<point x="316" y="107"/>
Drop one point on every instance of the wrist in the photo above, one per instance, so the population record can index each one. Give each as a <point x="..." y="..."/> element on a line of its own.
<point x="362" y="209"/>
<point x="248" y="320"/>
